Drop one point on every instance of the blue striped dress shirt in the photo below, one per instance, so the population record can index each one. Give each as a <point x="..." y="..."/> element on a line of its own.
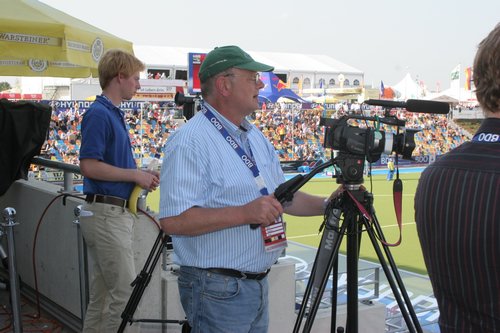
<point x="201" y="169"/>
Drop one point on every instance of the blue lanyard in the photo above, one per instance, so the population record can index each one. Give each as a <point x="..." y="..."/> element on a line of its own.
<point x="249" y="162"/>
<point x="486" y="137"/>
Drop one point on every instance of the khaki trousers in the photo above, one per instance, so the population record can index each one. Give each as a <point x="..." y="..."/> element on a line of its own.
<point x="108" y="234"/>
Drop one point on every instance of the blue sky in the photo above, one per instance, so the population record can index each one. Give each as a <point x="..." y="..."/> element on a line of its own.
<point x="384" y="38"/>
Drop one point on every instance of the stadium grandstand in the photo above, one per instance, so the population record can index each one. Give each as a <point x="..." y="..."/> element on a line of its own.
<point x="296" y="134"/>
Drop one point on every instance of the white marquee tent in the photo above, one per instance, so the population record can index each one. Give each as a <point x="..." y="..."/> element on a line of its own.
<point x="407" y="88"/>
<point x="169" y="56"/>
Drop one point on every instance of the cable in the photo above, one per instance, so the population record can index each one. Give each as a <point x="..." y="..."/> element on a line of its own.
<point x="151" y="218"/>
<point x="64" y="195"/>
<point x="37" y="296"/>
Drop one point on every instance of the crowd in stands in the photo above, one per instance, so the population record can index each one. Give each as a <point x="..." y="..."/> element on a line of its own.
<point x="437" y="133"/>
<point x="63" y="142"/>
<point x="295" y="133"/>
<point x="148" y="133"/>
<point x="158" y="75"/>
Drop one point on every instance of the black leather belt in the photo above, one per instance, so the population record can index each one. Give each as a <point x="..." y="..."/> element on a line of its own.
<point x="106" y="199"/>
<point x="238" y="274"/>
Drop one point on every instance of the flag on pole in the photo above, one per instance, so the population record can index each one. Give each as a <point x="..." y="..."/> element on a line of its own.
<point x="455" y="80"/>
<point x="382" y="89"/>
<point x="322" y="86"/>
<point x="455" y="73"/>
<point x="468" y="78"/>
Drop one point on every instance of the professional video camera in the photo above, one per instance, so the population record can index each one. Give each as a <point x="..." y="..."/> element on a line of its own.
<point x="190" y="104"/>
<point x="356" y="144"/>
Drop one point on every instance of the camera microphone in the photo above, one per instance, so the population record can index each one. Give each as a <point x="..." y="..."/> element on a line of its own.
<point x="413" y="105"/>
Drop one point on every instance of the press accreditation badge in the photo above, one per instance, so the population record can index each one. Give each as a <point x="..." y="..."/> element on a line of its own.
<point x="274" y="236"/>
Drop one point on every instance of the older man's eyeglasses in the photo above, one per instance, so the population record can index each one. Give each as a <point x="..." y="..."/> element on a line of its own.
<point x="254" y="78"/>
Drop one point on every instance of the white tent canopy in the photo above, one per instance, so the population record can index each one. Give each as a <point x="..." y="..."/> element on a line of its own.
<point x="454" y="95"/>
<point x="407" y="88"/>
<point x="283" y="62"/>
<point x="444" y="98"/>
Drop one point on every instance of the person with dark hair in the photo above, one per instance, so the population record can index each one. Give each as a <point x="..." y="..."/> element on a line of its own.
<point x="457" y="213"/>
<point x="110" y="174"/>
<point x="217" y="180"/>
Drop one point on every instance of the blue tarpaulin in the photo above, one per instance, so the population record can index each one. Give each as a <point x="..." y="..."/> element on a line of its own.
<point x="274" y="89"/>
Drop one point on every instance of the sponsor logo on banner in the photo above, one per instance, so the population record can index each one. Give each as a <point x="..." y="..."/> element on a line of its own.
<point x="97" y="49"/>
<point x="37" y="65"/>
<point x="30" y="39"/>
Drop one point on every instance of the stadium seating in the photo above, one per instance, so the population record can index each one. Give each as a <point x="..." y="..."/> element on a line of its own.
<point x="296" y="134"/>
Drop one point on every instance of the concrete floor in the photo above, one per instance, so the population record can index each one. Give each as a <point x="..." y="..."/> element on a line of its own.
<point x="30" y="318"/>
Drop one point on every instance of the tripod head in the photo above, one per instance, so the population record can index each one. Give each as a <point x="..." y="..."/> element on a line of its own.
<point x="352" y="181"/>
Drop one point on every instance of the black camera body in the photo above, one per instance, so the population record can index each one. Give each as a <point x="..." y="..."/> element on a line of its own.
<point x="355" y="144"/>
<point x="190" y="104"/>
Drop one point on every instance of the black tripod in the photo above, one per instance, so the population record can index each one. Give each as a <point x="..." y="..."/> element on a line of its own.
<point x="355" y="206"/>
<point x="141" y="282"/>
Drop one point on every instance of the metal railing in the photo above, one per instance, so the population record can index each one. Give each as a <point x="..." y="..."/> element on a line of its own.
<point x="69" y="170"/>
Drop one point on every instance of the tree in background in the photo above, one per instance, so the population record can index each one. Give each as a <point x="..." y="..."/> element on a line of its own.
<point x="5" y="86"/>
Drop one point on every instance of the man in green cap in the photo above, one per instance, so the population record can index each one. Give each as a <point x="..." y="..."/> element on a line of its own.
<point x="216" y="200"/>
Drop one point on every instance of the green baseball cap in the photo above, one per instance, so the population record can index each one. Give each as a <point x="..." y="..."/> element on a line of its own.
<point x="225" y="57"/>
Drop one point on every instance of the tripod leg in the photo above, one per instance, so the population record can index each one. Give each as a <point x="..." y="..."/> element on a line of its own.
<point x="335" y="285"/>
<point x="411" y="326"/>
<point x="141" y="281"/>
<point x="327" y="252"/>
<point x="353" y="243"/>
<point x="305" y="298"/>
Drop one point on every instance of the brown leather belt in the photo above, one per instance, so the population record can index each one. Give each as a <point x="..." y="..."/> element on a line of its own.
<point x="106" y="199"/>
<point x="238" y="274"/>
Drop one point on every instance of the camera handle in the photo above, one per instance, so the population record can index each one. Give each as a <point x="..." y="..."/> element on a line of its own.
<point x="356" y="206"/>
<point x="285" y="191"/>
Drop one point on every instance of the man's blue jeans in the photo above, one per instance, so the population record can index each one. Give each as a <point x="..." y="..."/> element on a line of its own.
<point x="216" y="303"/>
